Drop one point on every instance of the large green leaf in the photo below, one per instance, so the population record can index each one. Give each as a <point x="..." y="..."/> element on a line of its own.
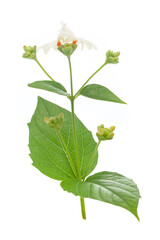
<point x="108" y="187"/>
<point x="50" y="86"/>
<point x="46" y="148"/>
<point x="99" y="92"/>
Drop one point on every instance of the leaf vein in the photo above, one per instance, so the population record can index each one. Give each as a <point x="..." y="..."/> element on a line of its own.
<point x="49" y="156"/>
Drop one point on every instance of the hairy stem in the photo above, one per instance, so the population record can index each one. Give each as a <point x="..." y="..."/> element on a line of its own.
<point x="44" y="70"/>
<point x="79" y="91"/>
<point x="67" y="153"/>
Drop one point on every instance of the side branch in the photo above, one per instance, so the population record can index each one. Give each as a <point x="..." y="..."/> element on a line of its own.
<point x="79" y="91"/>
<point x="67" y="153"/>
<point x="44" y="70"/>
<point x="92" y="159"/>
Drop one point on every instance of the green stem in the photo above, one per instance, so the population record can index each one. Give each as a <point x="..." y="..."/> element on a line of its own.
<point x="44" y="70"/>
<point x="75" y="139"/>
<point x="67" y="153"/>
<point x="78" y="93"/>
<point x="83" y="208"/>
<point x="73" y="122"/>
<point x="92" y="158"/>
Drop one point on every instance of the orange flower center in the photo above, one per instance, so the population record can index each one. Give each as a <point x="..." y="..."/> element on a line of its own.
<point x="58" y="43"/>
<point x="74" y="42"/>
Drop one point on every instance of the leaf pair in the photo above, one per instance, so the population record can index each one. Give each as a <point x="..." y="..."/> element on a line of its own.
<point x="49" y="156"/>
<point x="94" y="91"/>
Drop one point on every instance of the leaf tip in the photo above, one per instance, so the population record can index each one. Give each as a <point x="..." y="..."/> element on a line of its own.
<point x="135" y="213"/>
<point x="123" y="102"/>
<point x="137" y="217"/>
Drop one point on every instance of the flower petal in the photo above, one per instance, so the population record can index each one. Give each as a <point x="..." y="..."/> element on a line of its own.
<point x="87" y="43"/>
<point x="66" y="35"/>
<point x="48" y="46"/>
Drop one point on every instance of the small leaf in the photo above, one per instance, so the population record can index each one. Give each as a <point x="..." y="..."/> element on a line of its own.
<point x="50" y="86"/>
<point x="108" y="187"/>
<point x="99" y="92"/>
<point x="46" y="148"/>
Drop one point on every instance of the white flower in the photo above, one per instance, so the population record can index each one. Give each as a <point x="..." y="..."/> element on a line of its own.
<point x="66" y="36"/>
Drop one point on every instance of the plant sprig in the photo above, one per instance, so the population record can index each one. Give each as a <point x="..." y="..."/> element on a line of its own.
<point x="62" y="147"/>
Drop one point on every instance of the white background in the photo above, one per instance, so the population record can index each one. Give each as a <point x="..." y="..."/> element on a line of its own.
<point x="34" y="207"/>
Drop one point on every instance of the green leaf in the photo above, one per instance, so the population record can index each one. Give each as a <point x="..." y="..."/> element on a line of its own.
<point x="46" y="149"/>
<point x="99" y="92"/>
<point x="108" y="187"/>
<point x="50" y="86"/>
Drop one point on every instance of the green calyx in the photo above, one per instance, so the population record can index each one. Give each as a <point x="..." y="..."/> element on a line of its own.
<point x="55" y="122"/>
<point x="30" y="52"/>
<point x="105" y="133"/>
<point x="112" y="57"/>
<point x="67" y="49"/>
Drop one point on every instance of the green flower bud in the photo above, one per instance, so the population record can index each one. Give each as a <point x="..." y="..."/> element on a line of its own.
<point x="30" y="52"/>
<point x="112" y="57"/>
<point x="67" y="49"/>
<point x="112" y="128"/>
<point x="55" y="122"/>
<point x="105" y="133"/>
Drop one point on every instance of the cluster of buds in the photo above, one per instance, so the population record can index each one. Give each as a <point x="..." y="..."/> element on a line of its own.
<point x="67" y="48"/>
<point x="55" y="122"/>
<point x="30" y="52"/>
<point x="105" y="133"/>
<point x="112" y="57"/>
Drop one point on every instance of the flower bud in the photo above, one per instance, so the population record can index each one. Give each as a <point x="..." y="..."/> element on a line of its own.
<point x="112" y="57"/>
<point x="30" y="52"/>
<point x="67" y="49"/>
<point x="55" y="122"/>
<point x="105" y="133"/>
<point x="112" y="128"/>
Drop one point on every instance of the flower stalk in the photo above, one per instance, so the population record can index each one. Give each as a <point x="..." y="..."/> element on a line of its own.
<point x="92" y="159"/>
<point x="73" y="121"/>
<point x="67" y="153"/>
<point x="79" y="91"/>
<point x="44" y="70"/>
<point x="75" y="139"/>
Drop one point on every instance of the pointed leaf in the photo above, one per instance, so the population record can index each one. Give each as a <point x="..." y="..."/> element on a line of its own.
<point x="46" y="148"/>
<point x="50" y="86"/>
<point x="99" y="92"/>
<point x="108" y="187"/>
